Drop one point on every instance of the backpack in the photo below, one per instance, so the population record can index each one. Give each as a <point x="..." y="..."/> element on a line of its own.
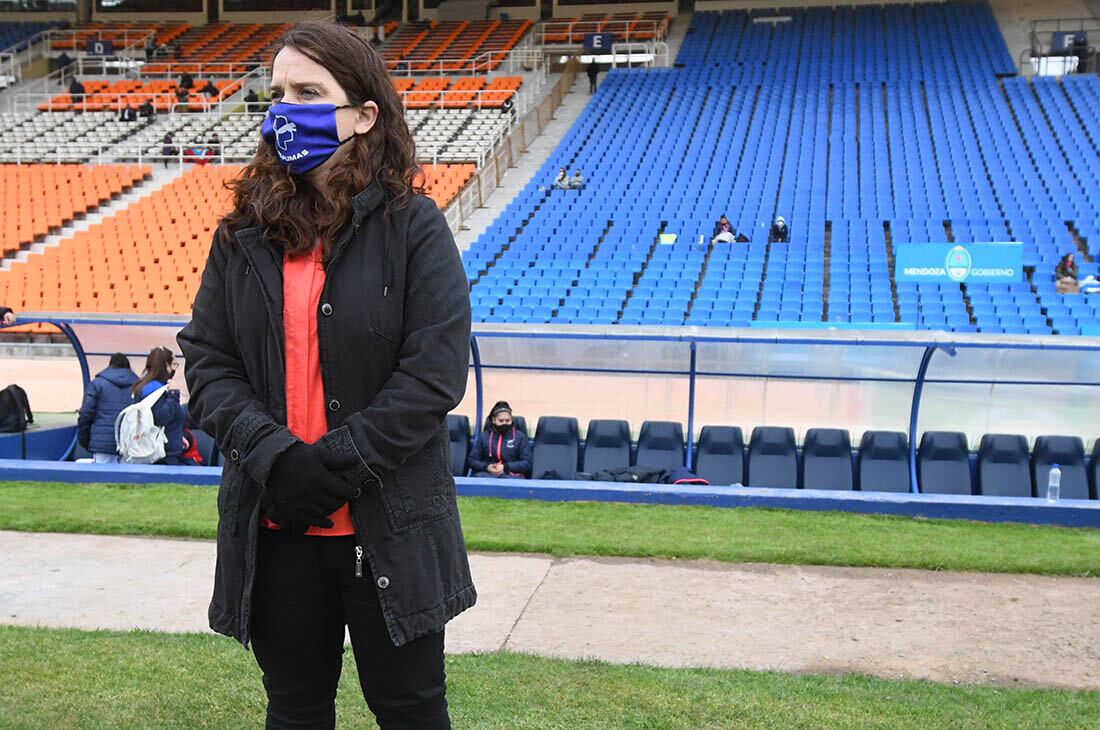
<point x="140" y="440"/>
<point x="15" y="410"/>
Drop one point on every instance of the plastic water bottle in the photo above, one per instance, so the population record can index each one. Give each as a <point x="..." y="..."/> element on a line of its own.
<point x="1054" y="483"/>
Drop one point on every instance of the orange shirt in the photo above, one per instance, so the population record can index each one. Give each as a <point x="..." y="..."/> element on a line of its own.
<point x="303" y="282"/>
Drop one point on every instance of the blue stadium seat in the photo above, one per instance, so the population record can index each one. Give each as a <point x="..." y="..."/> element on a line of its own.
<point x="883" y="462"/>
<point x="827" y="459"/>
<point x="459" y="429"/>
<point x="720" y="455"/>
<point x="606" y="445"/>
<point x="1094" y="470"/>
<point x="1068" y="452"/>
<point x="773" y="458"/>
<point x="520" y="423"/>
<point x="1004" y="468"/>
<point x="660" y="445"/>
<point x="556" y="448"/>
<point x="943" y="463"/>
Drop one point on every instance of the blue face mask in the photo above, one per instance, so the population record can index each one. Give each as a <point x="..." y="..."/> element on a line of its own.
<point x="303" y="135"/>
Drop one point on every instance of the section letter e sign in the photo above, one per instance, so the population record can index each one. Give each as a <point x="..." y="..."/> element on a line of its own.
<point x="598" y="42"/>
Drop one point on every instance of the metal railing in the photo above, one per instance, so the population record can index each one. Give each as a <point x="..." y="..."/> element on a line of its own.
<point x="10" y="67"/>
<point x="33" y="99"/>
<point x="459" y="99"/>
<point x="566" y="33"/>
<point x="508" y="150"/>
<point x="1041" y="31"/>
<point x="75" y="39"/>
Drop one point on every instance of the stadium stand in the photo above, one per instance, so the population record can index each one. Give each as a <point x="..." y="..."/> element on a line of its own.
<point x="646" y="26"/>
<point x="220" y="48"/>
<point x="146" y="258"/>
<point x="60" y="136"/>
<point x="826" y="459"/>
<point x="13" y="34"/>
<point x="452" y="45"/>
<point x="128" y="32"/>
<point x="864" y="127"/>
<point x="39" y="199"/>
<point x="113" y="96"/>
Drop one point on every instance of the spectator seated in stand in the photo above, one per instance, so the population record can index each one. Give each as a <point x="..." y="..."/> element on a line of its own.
<point x="1065" y="274"/>
<point x="779" y="232"/>
<point x="186" y="82"/>
<point x="145" y="110"/>
<point x="199" y="153"/>
<point x="7" y="316"/>
<point x="501" y="449"/>
<point x="76" y="90"/>
<point x="106" y="396"/>
<point x="577" y="181"/>
<point x="724" y="234"/>
<point x="209" y="90"/>
<point x="561" y="182"/>
<point x="127" y="114"/>
<point x="251" y="101"/>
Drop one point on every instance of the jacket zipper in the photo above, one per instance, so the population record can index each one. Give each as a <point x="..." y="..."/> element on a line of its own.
<point x="358" y="561"/>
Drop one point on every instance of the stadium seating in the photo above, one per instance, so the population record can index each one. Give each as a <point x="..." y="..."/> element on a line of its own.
<point x="1068" y="452"/>
<point x="40" y="199"/>
<point x="896" y="138"/>
<point x="478" y="46"/>
<point x="660" y="445"/>
<point x="113" y="96"/>
<point x="556" y="448"/>
<point x="827" y="459"/>
<point x="606" y="446"/>
<point x="62" y="136"/>
<point x="1003" y="466"/>
<point x="720" y="455"/>
<point x="459" y="429"/>
<point x="943" y="464"/>
<point x="144" y="259"/>
<point x="646" y="26"/>
<point x="220" y="49"/>
<point x="883" y="462"/>
<point x="119" y="32"/>
<point x="13" y="34"/>
<point x="772" y="458"/>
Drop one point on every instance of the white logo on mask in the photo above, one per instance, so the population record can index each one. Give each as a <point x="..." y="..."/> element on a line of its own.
<point x="284" y="131"/>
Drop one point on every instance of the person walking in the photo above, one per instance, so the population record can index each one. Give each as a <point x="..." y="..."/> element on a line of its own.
<point x="329" y="338"/>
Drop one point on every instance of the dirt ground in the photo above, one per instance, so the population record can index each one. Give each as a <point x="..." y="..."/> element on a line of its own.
<point x="976" y="628"/>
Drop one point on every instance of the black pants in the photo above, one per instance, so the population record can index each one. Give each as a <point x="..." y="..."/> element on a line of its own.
<point x="305" y="593"/>
<point x="591" y="84"/>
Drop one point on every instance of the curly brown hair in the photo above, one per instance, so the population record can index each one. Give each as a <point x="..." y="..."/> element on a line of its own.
<point x="290" y="210"/>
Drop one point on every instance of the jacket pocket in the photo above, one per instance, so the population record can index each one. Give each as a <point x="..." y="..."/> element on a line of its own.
<point x="422" y="490"/>
<point x="229" y="497"/>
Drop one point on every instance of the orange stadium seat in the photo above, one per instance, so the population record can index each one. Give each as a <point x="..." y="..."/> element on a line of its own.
<point x="147" y="258"/>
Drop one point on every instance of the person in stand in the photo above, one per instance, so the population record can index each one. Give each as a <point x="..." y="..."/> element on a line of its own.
<point x="127" y="114"/>
<point x="593" y="74"/>
<point x="210" y="89"/>
<point x="329" y="338"/>
<point x="501" y="450"/>
<point x="724" y="234"/>
<point x="168" y="148"/>
<point x="160" y="368"/>
<point x="577" y="181"/>
<point x="7" y="316"/>
<point x="561" y="182"/>
<point x="779" y="232"/>
<point x="76" y="91"/>
<point x="106" y="396"/>
<point x="186" y="81"/>
<point x="251" y="101"/>
<point x="145" y="110"/>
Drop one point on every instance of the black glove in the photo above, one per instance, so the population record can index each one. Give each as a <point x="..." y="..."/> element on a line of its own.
<point x="296" y="523"/>
<point x="303" y="490"/>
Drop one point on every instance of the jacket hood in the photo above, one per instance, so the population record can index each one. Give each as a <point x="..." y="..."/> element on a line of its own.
<point x="120" y="377"/>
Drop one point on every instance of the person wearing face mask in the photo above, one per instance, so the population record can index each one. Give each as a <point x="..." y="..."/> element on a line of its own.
<point x="160" y="368"/>
<point x="501" y="450"/>
<point x="329" y="338"/>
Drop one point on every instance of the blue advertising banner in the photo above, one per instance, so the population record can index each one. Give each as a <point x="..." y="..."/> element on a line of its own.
<point x="960" y="263"/>
<point x="598" y="42"/>
<point x="96" y="47"/>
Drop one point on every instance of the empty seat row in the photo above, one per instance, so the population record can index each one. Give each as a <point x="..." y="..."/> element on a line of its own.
<point x="1002" y="467"/>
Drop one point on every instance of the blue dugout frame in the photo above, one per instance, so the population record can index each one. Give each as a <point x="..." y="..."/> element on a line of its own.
<point x="691" y="338"/>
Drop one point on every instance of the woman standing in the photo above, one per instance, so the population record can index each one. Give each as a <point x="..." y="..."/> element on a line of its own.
<point x="328" y="341"/>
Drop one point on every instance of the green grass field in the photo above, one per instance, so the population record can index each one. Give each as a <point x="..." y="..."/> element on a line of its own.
<point x="75" y="679"/>
<point x="626" y="530"/>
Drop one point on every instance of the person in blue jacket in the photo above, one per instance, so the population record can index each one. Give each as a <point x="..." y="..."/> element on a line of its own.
<point x="160" y="368"/>
<point x="501" y="450"/>
<point x="107" y="394"/>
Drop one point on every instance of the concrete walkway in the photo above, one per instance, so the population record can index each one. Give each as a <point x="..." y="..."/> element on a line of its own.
<point x="951" y="627"/>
